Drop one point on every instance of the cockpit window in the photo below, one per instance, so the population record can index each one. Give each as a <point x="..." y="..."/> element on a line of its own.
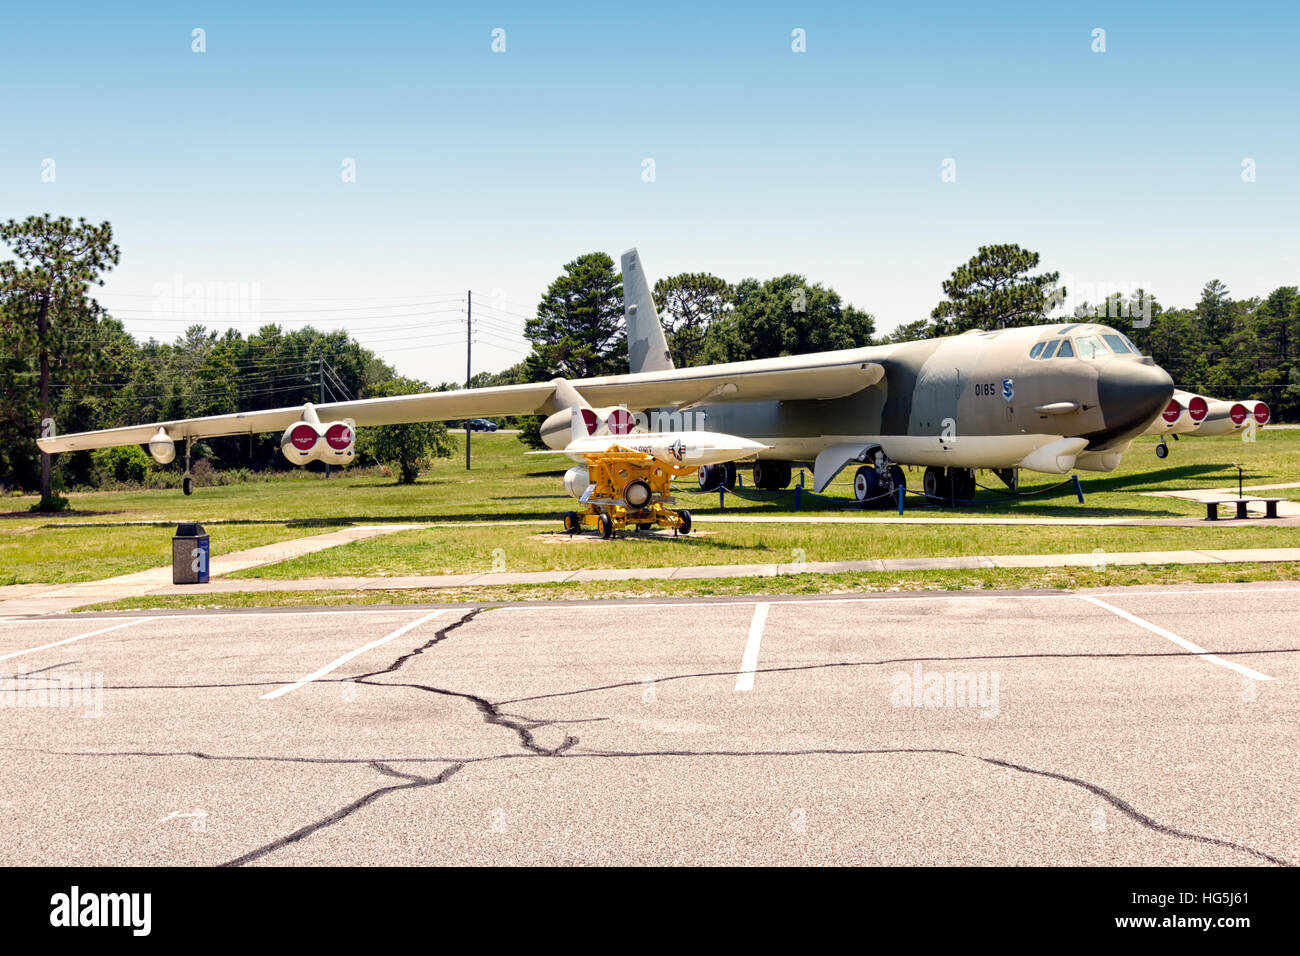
<point x="1129" y="342"/>
<point x="1116" y="342"/>
<point x="1066" y="350"/>
<point x="1033" y="353"/>
<point x="1089" y="346"/>
<point x="1050" y="349"/>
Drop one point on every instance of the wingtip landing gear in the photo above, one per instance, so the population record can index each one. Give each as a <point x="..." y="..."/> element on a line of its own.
<point x="1162" y="450"/>
<point x="187" y="482"/>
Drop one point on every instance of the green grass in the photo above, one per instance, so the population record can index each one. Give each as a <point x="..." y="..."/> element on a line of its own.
<point x="855" y="583"/>
<point x="463" y="550"/>
<point x="36" y="552"/>
<point x="505" y="484"/>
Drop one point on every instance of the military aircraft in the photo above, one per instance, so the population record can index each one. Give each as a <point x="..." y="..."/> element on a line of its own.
<point x="1048" y="398"/>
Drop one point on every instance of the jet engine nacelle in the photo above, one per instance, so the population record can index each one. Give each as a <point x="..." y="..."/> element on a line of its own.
<point x="557" y="429"/>
<point x="162" y="448"/>
<point x="1260" y="412"/>
<point x="576" y="480"/>
<point x="300" y="442"/>
<point x="339" y="444"/>
<point x="333" y="443"/>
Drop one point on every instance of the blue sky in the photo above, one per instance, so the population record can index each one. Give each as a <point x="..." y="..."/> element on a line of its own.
<point x="487" y="171"/>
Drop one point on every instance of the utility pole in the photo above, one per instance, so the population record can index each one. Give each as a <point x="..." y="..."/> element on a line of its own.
<point x="469" y="326"/>
<point x="320" y="371"/>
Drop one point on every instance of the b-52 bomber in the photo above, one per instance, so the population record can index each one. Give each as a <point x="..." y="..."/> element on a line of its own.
<point x="1048" y="398"/>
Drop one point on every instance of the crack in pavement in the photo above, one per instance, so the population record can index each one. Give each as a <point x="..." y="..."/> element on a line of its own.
<point x="523" y="728"/>
<point x="934" y="658"/>
<point x="412" y="782"/>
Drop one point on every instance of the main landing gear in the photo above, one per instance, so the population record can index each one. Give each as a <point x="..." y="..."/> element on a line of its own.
<point x="713" y="477"/>
<point x="771" y="475"/>
<point x="876" y="486"/>
<point x="949" y="485"/>
<point x="187" y="481"/>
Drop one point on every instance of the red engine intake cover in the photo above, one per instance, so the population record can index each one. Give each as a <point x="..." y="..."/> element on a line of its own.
<point x="1262" y="414"/>
<point x="620" y="421"/>
<point x="339" y="436"/>
<point x="1238" y="413"/>
<point x="303" y="437"/>
<point x="590" y="420"/>
<point x="1172" y="411"/>
<point x="1198" y="408"/>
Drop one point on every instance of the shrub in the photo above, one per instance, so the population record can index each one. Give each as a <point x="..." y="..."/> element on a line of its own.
<point x="126" y="464"/>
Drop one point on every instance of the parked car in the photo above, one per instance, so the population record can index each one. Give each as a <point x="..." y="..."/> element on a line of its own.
<point x="481" y="425"/>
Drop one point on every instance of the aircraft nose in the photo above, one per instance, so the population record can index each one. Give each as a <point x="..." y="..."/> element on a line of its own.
<point x="1132" y="394"/>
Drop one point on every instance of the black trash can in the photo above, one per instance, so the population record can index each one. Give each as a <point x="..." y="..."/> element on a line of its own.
<point x="190" y="554"/>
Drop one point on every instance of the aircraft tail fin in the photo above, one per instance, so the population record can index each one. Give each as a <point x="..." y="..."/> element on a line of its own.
<point x="647" y="349"/>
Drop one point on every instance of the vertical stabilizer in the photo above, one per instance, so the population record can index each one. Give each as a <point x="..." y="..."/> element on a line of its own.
<point x="647" y="350"/>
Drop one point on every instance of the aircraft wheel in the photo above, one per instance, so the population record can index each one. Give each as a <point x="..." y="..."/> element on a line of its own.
<point x="606" y="526"/>
<point x="897" y="479"/>
<point x="1162" y="450"/>
<point x="938" y="485"/>
<point x="187" y="485"/>
<point x="728" y="472"/>
<point x="866" y="484"/>
<point x="771" y="475"/>
<point x="708" y="477"/>
<point x="685" y="526"/>
<point x="572" y="523"/>
<point x="963" y="485"/>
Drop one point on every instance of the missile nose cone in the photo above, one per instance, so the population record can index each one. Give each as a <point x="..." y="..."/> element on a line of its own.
<point x="1132" y="394"/>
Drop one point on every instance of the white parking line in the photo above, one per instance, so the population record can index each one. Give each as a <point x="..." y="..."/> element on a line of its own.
<point x="749" y="663"/>
<point x="69" y="640"/>
<point x="332" y="665"/>
<point x="1180" y="641"/>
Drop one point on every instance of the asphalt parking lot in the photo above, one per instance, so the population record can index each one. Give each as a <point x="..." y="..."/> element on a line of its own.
<point x="1139" y="726"/>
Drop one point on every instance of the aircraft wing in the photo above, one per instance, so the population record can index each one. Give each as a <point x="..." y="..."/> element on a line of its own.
<point x="825" y="375"/>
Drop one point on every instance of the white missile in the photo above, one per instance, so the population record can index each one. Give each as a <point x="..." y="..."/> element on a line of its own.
<point x="672" y="448"/>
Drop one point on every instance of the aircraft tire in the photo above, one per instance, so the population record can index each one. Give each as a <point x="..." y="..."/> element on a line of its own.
<point x="728" y="472"/>
<point x="866" y="486"/>
<point x="187" y="485"/>
<point x="1162" y="450"/>
<point x="708" y="477"/>
<point x="606" y="526"/>
<point x="896" y="480"/>
<point x="963" y="485"/>
<point x="937" y="485"/>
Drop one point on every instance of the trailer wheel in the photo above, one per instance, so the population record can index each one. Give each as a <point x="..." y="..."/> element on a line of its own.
<point x="685" y="526"/>
<point x="606" y="526"/>
<point x="572" y="523"/>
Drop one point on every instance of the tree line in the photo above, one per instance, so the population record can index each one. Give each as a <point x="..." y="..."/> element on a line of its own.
<point x="65" y="360"/>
